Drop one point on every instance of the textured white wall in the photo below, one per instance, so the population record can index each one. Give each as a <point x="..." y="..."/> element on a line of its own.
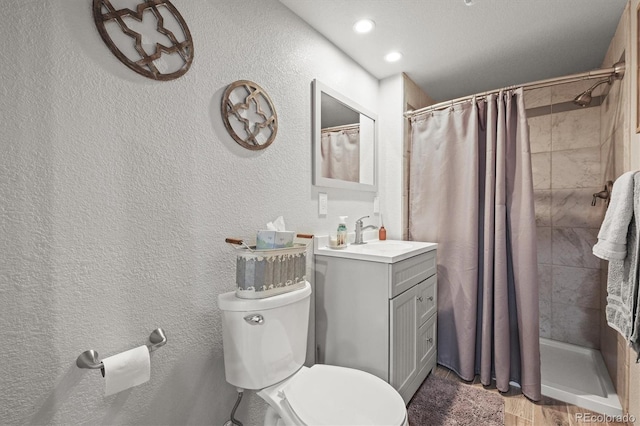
<point x="116" y="193"/>
<point x="391" y="148"/>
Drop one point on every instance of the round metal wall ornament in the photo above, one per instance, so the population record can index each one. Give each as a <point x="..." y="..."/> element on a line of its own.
<point x="150" y="37"/>
<point x="249" y="115"/>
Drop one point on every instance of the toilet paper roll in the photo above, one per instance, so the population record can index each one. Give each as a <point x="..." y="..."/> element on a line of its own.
<point x="126" y="370"/>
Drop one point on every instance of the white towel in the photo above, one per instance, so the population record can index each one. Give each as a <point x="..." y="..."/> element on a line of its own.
<point x="631" y="268"/>
<point x="618" y="243"/>
<point x="612" y="238"/>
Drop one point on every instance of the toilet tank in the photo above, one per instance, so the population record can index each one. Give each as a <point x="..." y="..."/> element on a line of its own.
<point x="264" y="340"/>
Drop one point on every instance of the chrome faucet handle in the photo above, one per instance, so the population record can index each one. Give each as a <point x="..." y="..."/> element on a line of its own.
<point x="359" y="228"/>
<point x="360" y="220"/>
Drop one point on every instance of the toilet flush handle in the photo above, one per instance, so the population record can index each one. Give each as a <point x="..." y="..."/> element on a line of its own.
<point x="255" y="319"/>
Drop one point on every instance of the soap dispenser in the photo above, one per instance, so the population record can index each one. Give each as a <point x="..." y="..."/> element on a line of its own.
<point x="342" y="232"/>
<point x="382" y="233"/>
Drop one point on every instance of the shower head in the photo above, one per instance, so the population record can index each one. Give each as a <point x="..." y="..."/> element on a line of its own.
<point x="584" y="98"/>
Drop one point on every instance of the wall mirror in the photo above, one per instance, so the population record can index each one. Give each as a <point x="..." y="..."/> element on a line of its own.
<point x="344" y="142"/>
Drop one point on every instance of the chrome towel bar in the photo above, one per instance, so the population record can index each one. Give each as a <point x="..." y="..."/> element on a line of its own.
<point x="90" y="359"/>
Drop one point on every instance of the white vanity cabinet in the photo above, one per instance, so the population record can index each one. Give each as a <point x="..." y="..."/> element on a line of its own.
<point x="378" y="314"/>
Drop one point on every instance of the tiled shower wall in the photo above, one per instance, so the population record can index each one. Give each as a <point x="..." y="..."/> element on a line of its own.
<point x="566" y="157"/>
<point x="614" y="134"/>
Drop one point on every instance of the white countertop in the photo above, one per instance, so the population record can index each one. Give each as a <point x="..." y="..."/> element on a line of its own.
<point x="387" y="251"/>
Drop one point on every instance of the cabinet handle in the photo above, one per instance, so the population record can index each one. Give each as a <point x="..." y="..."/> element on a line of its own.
<point x="420" y="299"/>
<point x="430" y="340"/>
<point x="430" y="298"/>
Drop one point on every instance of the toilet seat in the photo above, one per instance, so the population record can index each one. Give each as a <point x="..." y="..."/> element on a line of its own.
<point x="326" y="395"/>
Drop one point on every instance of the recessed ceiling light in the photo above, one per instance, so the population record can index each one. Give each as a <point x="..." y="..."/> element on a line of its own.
<point x="393" y="56"/>
<point x="364" y="26"/>
<point x="468" y="2"/>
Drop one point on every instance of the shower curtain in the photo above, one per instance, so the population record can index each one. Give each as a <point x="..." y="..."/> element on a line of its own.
<point x="471" y="191"/>
<point x="340" y="150"/>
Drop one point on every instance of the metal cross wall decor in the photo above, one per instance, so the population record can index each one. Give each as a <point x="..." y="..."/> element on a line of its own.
<point x="177" y="47"/>
<point x="249" y="115"/>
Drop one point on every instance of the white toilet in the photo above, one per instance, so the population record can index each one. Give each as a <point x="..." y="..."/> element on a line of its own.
<point x="265" y="344"/>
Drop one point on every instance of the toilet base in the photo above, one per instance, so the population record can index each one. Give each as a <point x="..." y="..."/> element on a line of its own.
<point x="278" y="413"/>
<point x="271" y="418"/>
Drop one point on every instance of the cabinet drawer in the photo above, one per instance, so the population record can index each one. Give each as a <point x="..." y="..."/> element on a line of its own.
<point x="427" y="300"/>
<point x="409" y="272"/>
<point x="427" y="341"/>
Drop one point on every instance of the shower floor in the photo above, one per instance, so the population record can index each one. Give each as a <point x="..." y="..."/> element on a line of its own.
<point x="578" y="376"/>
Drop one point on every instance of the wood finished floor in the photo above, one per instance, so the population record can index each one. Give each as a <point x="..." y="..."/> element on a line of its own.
<point x="520" y="411"/>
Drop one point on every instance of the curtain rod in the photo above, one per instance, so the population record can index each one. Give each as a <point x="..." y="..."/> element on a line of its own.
<point x="617" y="71"/>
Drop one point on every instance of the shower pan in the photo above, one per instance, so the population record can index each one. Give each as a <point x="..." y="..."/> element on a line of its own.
<point x="578" y="376"/>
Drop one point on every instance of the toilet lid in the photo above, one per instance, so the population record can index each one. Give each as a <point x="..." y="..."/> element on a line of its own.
<point x="331" y="396"/>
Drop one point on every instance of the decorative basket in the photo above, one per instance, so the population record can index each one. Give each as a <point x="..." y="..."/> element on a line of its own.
<point x="266" y="273"/>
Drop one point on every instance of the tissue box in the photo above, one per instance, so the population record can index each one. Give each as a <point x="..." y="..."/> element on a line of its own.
<point x="284" y="239"/>
<point x="266" y="240"/>
<point x="265" y="273"/>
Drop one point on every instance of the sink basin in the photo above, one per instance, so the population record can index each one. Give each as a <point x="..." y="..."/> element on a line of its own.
<point x="387" y="251"/>
<point x="378" y="247"/>
<point x="385" y="246"/>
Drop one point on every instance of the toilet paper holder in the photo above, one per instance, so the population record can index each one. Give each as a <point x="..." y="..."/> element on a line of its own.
<point x="90" y="359"/>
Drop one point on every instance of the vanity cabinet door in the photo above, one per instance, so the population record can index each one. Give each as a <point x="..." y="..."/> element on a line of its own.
<point x="427" y="344"/>
<point x="404" y="338"/>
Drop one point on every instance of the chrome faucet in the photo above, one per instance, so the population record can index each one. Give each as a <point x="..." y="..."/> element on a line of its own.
<point x="360" y="228"/>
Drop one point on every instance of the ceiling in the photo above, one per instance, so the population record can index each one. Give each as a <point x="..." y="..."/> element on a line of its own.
<point x="452" y="50"/>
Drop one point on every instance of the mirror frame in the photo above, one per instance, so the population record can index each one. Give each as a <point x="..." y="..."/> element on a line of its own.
<point x="318" y="180"/>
